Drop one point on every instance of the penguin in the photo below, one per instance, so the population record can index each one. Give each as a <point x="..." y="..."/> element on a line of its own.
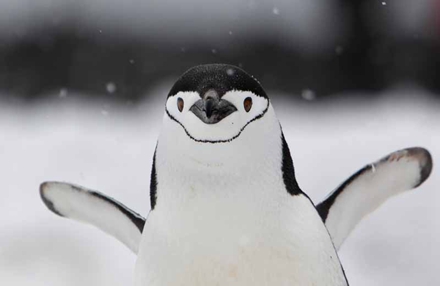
<point x="225" y="205"/>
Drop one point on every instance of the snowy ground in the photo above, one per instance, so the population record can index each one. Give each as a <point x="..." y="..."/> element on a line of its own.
<point x="110" y="149"/>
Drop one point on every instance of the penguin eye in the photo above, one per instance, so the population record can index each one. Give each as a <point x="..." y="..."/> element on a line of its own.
<point x="247" y="104"/>
<point x="180" y="104"/>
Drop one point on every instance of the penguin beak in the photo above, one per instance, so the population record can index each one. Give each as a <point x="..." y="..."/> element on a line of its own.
<point x="211" y="108"/>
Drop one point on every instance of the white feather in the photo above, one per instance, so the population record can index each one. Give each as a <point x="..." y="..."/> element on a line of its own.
<point x="372" y="186"/>
<point x="83" y="205"/>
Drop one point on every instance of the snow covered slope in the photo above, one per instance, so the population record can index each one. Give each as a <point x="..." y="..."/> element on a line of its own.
<point x="109" y="148"/>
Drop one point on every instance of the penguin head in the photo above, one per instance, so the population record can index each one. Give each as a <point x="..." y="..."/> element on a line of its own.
<point x="216" y="103"/>
<point x="218" y="115"/>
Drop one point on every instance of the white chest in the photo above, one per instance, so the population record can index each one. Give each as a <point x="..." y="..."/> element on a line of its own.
<point x="223" y="217"/>
<point x="228" y="239"/>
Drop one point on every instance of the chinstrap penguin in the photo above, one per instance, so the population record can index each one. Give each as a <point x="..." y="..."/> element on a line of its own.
<point x="226" y="208"/>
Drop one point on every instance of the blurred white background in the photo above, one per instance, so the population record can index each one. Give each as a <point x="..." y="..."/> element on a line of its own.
<point x="109" y="148"/>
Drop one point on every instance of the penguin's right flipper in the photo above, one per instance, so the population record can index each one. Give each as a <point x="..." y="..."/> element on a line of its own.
<point x="94" y="208"/>
<point x="371" y="186"/>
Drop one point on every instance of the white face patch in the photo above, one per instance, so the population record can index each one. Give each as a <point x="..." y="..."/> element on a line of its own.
<point x="229" y="127"/>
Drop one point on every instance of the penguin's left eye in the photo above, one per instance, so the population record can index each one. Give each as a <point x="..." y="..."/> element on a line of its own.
<point x="180" y="104"/>
<point x="247" y="104"/>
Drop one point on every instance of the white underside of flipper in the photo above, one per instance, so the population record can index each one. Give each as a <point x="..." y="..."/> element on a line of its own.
<point x="366" y="190"/>
<point x="94" y="208"/>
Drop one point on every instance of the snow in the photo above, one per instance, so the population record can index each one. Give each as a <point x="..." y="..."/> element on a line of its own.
<point x="63" y="93"/>
<point x="110" y="87"/>
<point x="339" y="50"/>
<point x="308" y="94"/>
<point x="68" y="139"/>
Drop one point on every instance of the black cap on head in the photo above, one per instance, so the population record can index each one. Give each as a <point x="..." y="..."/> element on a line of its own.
<point x="219" y="77"/>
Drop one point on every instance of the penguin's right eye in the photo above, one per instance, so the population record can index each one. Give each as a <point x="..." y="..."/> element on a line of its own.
<point x="180" y="104"/>
<point x="247" y="104"/>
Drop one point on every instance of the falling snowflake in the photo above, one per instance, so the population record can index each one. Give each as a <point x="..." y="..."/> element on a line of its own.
<point x="339" y="50"/>
<point x="63" y="93"/>
<point x="308" y="94"/>
<point x="111" y="87"/>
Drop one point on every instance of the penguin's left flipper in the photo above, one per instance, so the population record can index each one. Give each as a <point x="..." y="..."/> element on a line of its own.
<point x="94" y="208"/>
<point x="371" y="186"/>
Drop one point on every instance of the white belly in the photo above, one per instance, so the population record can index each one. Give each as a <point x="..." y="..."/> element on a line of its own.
<point x="226" y="244"/>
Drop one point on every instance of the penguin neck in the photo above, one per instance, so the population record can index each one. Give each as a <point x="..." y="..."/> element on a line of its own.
<point x="188" y="170"/>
